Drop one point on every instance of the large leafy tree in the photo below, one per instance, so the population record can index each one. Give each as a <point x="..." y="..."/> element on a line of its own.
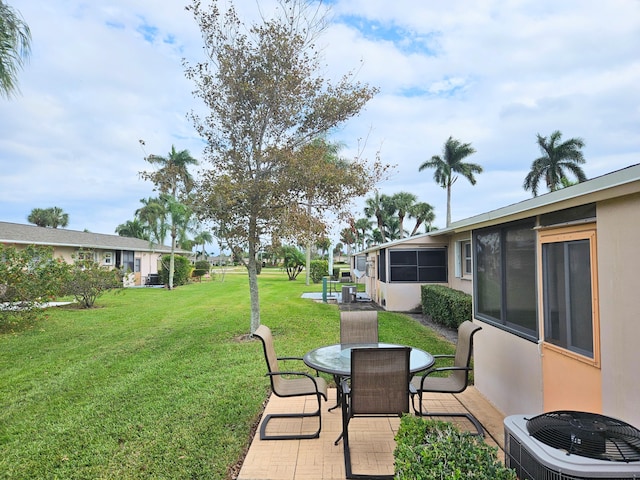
<point x="450" y="163"/>
<point x="15" y="48"/>
<point x="267" y="101"/>
<point x="558" y="158"/>
<point x="173" y="180"/>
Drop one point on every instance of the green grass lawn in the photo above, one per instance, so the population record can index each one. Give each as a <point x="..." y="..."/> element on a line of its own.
<point x="156" y="383"/>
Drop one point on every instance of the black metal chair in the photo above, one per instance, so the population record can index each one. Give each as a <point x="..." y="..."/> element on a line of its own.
<point x="457" y="379"/>
<point x="379" y="386"/>
<point x="283" y="385"/>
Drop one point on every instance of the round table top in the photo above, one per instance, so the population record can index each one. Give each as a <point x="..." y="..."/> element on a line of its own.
<point x="336" y="359"/>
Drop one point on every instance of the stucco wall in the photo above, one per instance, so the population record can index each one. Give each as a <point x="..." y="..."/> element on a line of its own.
<point x="507" y="370"/>
<point x="619" y="285"/>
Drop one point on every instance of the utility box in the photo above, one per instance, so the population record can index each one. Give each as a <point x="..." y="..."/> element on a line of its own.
<point x="348" y="294"/>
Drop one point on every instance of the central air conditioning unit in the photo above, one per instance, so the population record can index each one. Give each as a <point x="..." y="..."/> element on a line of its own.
<point x="568" y="445"/>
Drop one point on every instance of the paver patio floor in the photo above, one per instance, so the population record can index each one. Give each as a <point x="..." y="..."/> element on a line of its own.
<point x="371" y="439"/>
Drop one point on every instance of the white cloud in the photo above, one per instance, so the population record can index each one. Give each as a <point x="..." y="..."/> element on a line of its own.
<point x="493" y="72"/>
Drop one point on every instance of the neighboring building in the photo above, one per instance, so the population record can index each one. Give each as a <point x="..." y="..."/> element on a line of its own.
<point x="555" y="287"/>
<point x="138" y="257"/>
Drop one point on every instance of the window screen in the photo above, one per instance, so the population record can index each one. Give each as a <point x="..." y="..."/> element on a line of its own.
<point x="424" y="265"/>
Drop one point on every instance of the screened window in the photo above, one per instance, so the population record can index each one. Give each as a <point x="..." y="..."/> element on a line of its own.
<point x="505" y="277"/>
<point x="382" y="265"/>
<point x="567" y="273"/>
<point x="424" y="265"/>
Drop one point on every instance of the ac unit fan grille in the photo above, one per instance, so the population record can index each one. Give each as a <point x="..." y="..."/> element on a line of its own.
<point x="587" y="434"/>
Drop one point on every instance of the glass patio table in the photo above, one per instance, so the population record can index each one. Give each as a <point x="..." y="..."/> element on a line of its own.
<point x="336" y="359"/>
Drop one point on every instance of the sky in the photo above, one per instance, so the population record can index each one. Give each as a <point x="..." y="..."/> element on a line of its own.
<point x="494" y="73"/>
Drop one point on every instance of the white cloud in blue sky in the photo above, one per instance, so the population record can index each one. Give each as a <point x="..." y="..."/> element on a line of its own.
<point x="493" y="73"/>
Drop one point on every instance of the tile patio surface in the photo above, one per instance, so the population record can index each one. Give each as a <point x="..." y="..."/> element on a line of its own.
<point x="372" y="439"/>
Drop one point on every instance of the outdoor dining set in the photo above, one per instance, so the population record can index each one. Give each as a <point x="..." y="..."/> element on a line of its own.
<point x="372" y="378"/>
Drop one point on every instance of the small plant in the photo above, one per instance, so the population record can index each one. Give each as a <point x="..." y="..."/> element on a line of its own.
<point x="433" y="450"/>
<point x="86" y="280"/>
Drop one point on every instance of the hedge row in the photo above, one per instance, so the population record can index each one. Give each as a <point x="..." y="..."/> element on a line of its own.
<point x="445" y="305"/>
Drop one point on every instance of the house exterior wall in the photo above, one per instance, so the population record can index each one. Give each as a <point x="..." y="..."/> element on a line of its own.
<point x="507" y="370"/>
<point x="458" y="279"/>
<point x="619" y="267"/>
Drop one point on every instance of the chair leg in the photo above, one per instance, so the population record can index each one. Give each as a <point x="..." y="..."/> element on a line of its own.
<point x="423" y="413"/>
<point x="347" y="452"/>
<point x="266" y="419"/>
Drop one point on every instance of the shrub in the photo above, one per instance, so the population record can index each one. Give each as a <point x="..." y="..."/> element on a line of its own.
<point x="87" y="281"/>
<point x="445" y="305"/>
<point x="181" y="270"/>
<point x="430" y="450"/>
<point x="319" y="269"/>
<point x="203" y="265"/>
<point x="294" y="261"/>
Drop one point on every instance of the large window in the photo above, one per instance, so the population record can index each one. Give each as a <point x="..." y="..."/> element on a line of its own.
<point x="424" y="265"/>
<point x="505" y="277"/>
<point x="568" y="275"/>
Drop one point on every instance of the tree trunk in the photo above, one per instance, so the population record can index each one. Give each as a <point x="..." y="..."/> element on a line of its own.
<point x="308" y="264"/>
<point x="172" y="262"/>
<point x="448" y="205"/>
<point x="252" y="268"/>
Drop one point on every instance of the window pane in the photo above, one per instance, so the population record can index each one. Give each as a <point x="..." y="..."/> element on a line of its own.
<point x="432" y="274"/>
<point x="488" y="275"/>
<point x="404" y="274"/>
<point x="403" y="257"/>
<point x="567" y="295"/>
<point x="520" y="285"/>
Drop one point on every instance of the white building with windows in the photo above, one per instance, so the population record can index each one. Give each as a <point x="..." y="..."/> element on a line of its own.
<point x="555" y="288"/>
<point x="139" y="258"/>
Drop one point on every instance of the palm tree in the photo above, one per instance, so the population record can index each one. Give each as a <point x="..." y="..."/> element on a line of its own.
<point x="347" y="236"/>
<point x="57" y="217"/>
<point x="202" y="238"/>
<point x="15" y="47"/>
<point x="556" y="159"/>
<point x="380" y="207"/>
<point x="39" y="217"/>
<point x="362" y="226"/>
<point x="173" y="176"/>
<point x="402" y="201"/>
<point x="153" y="216"/>
<point x="423" y="213"/>
<point x="133" y="229"/>
<point x="451" y="162"/>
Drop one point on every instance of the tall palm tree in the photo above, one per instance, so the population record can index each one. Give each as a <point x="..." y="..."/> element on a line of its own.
<point x="173" y="176"/>
<point x="402" y="201"/>
<point x="423" y="213"/>
<point x="556" y="159"/>
<point x="362" y="226"/>
<point x="451" y="162"/>
<point x="15" y="47"/>
<point x="380" y="207"/>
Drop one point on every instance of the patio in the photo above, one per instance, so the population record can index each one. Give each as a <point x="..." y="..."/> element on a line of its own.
<point x="372" y="439"/>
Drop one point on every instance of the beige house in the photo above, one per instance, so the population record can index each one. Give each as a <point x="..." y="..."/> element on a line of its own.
<point x="555" y="288"/>
<point x="138" y="257"/>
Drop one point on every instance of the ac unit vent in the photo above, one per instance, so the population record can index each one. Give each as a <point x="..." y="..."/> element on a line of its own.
<point x="535" y="460"/>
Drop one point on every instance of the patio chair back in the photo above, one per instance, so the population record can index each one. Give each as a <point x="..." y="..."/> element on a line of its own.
<point x="264" y="333"/>
<point x="460" y="378"/>
<point x="359" y="326"/>
<point x="379" y="381"/>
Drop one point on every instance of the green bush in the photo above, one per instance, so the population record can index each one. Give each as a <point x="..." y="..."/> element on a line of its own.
<point x="430" y="450"/>
<point x="181" y="270"/>
<point x="445" y="305"/>
<point x="203" y="265"/>
<point x="319" y="269"/>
